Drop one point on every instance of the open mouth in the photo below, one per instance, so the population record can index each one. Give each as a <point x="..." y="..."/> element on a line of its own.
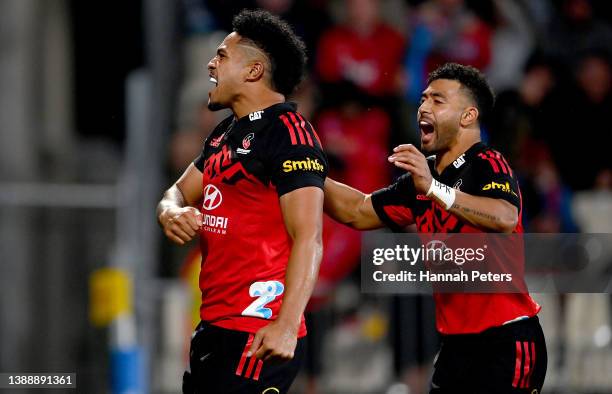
<point x="427" y="131"/>
<point x="426" y="127"/>
<point x="214" y="80"/>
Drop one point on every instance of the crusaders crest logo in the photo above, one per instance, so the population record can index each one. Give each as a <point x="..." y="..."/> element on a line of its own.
<point x="246" y="141"/>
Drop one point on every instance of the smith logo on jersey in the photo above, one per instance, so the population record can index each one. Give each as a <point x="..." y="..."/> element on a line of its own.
<point x="303" y="165"/>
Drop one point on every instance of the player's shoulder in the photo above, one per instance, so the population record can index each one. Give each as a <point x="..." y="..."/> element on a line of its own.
<point x="485" y="157"/>
<point x="289" y="128"/>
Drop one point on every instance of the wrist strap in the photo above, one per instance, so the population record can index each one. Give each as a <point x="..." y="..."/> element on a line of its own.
<point x="444" y="194"/>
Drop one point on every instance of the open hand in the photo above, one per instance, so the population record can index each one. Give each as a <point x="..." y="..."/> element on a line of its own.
<point x="409" y="158"/>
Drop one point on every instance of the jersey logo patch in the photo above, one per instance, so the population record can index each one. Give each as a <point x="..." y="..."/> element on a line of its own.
<point x="307" y="164"/>
<point x="246" y="143"/>
<point x="504" y="187"/>
<point x="215" y="142"/>
<point x="458" y="184"/>
<point x="255" y="115"/>
<point x="212" y="197"/>
<point x="459" y="161"/>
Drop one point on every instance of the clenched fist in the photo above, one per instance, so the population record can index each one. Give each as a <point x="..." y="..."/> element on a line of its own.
<point x="181" y="224"/>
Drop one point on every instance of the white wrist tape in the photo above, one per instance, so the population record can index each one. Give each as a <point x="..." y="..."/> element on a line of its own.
<point x="442" y="193"/>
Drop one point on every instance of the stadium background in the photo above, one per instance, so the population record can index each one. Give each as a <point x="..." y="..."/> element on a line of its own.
<point x="103" y="104"/>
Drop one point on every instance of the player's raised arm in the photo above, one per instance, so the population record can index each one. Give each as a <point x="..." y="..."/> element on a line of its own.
<point x="495" y="210"/>
<point x="175" y="212"/>
<point x="350" y="206"/>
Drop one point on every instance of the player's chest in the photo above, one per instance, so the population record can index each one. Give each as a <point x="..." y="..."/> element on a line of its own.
<point x="232" y="156"/>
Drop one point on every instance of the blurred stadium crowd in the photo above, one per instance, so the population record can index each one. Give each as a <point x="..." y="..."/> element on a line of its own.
<point x="549" y="61"/>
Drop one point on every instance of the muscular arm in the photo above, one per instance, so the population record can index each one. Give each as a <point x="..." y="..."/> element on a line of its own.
<point x="175" y="212"/>
<point x="489" y="214"/>
<point x="349" y="206"/>
<point x="301" y="210"/>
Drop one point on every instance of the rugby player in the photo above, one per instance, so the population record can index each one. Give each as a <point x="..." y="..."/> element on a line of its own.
<point x="491" y="343"/>
<point x="255" y="198"/>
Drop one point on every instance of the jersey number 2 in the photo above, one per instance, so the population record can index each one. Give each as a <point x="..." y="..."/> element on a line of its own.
<point x="265" y="292"/>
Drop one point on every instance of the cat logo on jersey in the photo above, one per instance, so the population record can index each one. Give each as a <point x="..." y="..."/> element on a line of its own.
<point x="255" y="115"/>
<point x="459" y="161"/>
<point x="303" y="165"/>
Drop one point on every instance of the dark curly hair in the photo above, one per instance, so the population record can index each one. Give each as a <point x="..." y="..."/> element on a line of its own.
<point x="471" y="79"/>
<point x="286" y="51"/>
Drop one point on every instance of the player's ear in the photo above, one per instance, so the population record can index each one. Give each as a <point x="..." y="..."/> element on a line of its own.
<point x="255" y="71"/>
<point x="469" y="116"/>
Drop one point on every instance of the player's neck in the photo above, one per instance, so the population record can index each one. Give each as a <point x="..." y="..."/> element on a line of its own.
<point x="255" y="101"/>
<point x="463" y="142"/>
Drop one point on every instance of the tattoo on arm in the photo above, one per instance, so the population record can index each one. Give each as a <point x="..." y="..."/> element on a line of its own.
<point x="475" y="212"/>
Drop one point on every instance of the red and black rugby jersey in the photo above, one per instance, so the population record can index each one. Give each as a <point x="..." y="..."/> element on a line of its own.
<point x="480" y="171"/>
<point x="247" y="164"/>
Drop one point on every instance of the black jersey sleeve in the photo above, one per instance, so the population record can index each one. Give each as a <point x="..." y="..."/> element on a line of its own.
<point x="296" y="158"/>
<point x="394" y="204"/>
<point x="495" y="179"/>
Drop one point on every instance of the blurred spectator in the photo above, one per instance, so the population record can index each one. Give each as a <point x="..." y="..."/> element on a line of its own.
<point x="541" y="13"/>
<point x="519" y="113"/>
<point x="356" y="134"/>
<point x="522" y="118"/>
<point x="306" y="96"/>
<point x="309" y="18"/>
<point x="364" y="51"/>
<point x="593" y="208"/>
<point x="513" y="41"/>
<point x="445" y="31"/>
<point x="580" y="134"/>
<point x="547" y="206"/>
<point x="198" y="18"/>
<point x="356" y="138"/>
<point x="576" y="29"/>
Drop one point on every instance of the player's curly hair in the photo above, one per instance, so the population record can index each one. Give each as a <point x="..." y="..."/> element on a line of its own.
<point x="472" y="80"/>
<point x="286" y="51"/>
